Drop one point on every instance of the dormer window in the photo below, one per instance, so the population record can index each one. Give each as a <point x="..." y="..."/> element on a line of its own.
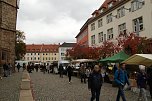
<point x="94" y="15"/>
<point x="110" y="4"/>
<point x="101" y="10"/>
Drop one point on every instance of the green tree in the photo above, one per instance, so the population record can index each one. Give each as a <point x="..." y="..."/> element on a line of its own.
<point x="20" y="46"/>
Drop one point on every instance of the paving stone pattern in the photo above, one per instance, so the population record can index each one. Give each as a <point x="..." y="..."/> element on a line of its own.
<point x="49" y="87"/>
<point x="10" y="87"/>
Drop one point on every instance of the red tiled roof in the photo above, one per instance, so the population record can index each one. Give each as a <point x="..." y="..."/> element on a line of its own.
<point x="47" y="48"/>
<point x="105" y="4"/>
<point x="95" y="12"/>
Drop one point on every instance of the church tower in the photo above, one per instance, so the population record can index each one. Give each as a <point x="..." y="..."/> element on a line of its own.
<point x="8" y="18"/>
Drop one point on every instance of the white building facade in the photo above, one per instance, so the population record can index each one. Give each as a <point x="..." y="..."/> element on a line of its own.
<point x="63" y="50"/>
<point x="121" y="16"/>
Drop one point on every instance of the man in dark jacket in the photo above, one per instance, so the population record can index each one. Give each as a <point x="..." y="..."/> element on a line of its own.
<point x="95" y="82"/>
<point x="69" y="70"/>
<point x="142" y="83"/>
<point x="61" y="70"/>
<point x="5" y="68"/>
<point x="121" y="79"/>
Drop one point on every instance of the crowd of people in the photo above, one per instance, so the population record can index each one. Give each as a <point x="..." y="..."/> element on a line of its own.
<point x="94" y="76"/>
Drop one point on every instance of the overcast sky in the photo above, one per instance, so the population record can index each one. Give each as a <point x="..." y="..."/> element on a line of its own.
<point x="54" y="21"/>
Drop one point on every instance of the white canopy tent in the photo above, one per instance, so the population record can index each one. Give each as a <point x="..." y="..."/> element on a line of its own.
<point x="64" y="62"/>
<point x="83" y="60"/>
<point x="140" y="59"/>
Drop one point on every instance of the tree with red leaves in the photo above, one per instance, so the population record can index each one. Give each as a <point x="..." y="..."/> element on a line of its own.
<point x="131" y="43"/>
<point x="80" y="52"/>
<point x="108" y="49"/>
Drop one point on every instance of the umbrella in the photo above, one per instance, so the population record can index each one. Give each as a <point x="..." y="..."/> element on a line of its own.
<point x="119" y="57"/>
<point x="140" y="59"/>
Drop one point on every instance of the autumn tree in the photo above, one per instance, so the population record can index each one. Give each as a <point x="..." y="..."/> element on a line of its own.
<point x="132" y="43"/>
<point x="81" y="52"/>
<point x="20" y="46"/>
<point x="109" y="48"/>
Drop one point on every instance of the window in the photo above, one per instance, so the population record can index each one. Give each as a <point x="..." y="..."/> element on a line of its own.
<point x="52" y="58"/>
<point x="121" y="12"/>
<point x="31" y="54"/>
<point x="122" y="28"/>
<point x="4" y="55"/>
<point x="100" y="36"/>
<point x="55" y="54"/>
<point x="62" y="54"/>
<point x="93" y="39"/>
<point x="136" y="5"/>
<point x="46" y="58"/>
<point x="92" y="26"/>
<point x="110" y="5"/>
<point x="31" y="59"/>
<point x="35" y="53"/>
<point x="49" y="58"/>
<point x="110" y="34"/>
<point x="43" y="54"/>
<point x="55" y="58"/>
<point x="138" y="24"/>
<point x="38" y="54"/>
<point x="38" y="58"/>
<point x="99" y="23"/>
<point x="35" y="58"/>
<point x="105" y="37"/>
<point x="46" y="54"/>
<point x="101" y="10"/>
<point x="109" y="18"/>
<point x="27" y="58"/>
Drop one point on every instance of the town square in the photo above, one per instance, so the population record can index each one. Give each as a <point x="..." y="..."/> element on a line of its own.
<point x="75" y="50"/>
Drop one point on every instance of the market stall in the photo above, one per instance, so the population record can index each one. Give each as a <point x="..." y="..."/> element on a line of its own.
<point x="139" y="59"/>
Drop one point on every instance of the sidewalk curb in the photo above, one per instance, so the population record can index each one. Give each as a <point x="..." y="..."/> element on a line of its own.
<point x="25" y="90"/>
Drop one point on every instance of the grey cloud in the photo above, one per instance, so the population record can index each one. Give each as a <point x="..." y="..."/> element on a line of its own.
<point x="58" y="20"/>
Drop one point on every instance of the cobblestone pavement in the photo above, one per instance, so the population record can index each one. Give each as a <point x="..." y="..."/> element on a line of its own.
<point x="10" y="87"/>
<point x="49" y="87"/>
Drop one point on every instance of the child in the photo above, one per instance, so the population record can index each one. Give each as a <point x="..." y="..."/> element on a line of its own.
<point x="95" y="82"/>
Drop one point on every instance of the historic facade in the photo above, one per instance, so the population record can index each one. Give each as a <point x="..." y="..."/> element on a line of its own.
<point x="42" y="53"/>
<point x="8" y="17"/>
<point x="116" y="17"/>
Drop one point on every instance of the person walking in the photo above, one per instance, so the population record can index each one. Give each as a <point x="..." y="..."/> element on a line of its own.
<point x="5" y="68"/>
<point x="18" y="67"/>
<point x="142" y="83"/>
<point x="48" y="68"/>
<point x="121" y="79"/>
<point x="37" y="67"/>
<point x="95" y="83"/>
<point x="150" y="81"/>
<point x="24" y="67"/>
<point x="69" y="70"/>
<point x="88" y="72"/>
<point x="83" y="73"/>
<point x="9" y="69"/>
<point x="44" y="68"/>
<point x="61" y="70"/>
